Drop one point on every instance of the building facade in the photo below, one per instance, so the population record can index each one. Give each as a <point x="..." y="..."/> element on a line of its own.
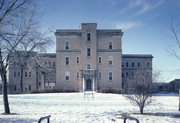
<point x="86" y="59"/>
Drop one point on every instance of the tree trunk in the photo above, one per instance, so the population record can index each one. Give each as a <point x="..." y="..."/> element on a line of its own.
<point x="5" y="93"/>
<point x="21" y="81"/>
<point x="3" y="74"/>
<point x="141" y="109"/>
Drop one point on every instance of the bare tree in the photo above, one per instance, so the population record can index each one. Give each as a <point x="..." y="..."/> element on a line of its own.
<point x="17" y="30"/>
<point x="139" y="88"/>
<point x="174" y="44"/>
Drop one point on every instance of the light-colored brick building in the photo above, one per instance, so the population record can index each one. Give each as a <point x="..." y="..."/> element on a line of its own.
<point x="85" y="59"/>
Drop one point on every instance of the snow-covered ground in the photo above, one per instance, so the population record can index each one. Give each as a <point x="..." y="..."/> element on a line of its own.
<point x="74" y="108"/>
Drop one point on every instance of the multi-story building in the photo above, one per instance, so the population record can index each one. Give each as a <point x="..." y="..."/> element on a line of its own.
<point x="85" y="59"/>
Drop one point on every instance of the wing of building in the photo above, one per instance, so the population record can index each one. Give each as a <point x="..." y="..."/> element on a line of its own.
<point x="86" y="59"/>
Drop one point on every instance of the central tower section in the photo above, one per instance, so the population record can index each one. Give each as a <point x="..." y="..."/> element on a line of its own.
<point x="89" y="56"/>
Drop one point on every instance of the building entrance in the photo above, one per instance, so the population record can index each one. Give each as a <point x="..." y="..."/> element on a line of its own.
<point x="88" y="85"/>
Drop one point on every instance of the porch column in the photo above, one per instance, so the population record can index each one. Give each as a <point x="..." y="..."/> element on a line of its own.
<point x="93" y="84"/>
<point x="83" y="84"/>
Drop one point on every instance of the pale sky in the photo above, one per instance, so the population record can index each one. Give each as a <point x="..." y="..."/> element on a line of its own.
<point x="144" y="23"/>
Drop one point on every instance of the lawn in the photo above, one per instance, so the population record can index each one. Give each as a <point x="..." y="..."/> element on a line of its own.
<point x="74" y="108"/>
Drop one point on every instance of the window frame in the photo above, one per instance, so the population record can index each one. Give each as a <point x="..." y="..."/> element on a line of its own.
<point x="88" y="52"/>
<point x="67" y="45"/>
<point x="88" y="36"/>
<point x="110" y="76"/>
<point x="67" y="76"/>
<point x="110" y="60"/>
<point x="110" y="45"/>
<point x="99" y="59"/>
<point x="67" y="60"/>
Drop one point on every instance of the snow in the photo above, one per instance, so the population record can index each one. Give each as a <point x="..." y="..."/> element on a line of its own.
<point x="74" y="108"/>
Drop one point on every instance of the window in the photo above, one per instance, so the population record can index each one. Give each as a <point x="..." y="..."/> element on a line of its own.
<point x="110" y="60"/>
<point x="29" y="74"/>
<point x="110" y="76"/>
<point x="127" y="64"/>
<point x="25" y="74"/>
<point x="67" y="61"/>
<point x="133" y="64"/>
<point x="67" y="74"/>
<point x="110" y="45"/>
<point x="88" y="52"/>
<point x="67" y="45"/>
<point x="29" y="88"/>
<point x="99" y="60"/>
<point x="88" y="66"/>
<point x="88" y="36"/>
<point x="45" y="62"/>
<point x="54" y="64"/>
<point x="122" y="75"/>
<point x="14" y="64"/>
<point x="77" y="60"/>
<point x="138" y="64"/>
<point x="39" y="83"/>
<point x="126" y="74"/>
<point x="77" y="75"/>
<point x="14" y="74"/>
<point x="99" y="75"/>
<point x="49" y="64"/>
<point x="15" y="88"/>
<point x="148" y="64"/>
<point x="18" y="74"/>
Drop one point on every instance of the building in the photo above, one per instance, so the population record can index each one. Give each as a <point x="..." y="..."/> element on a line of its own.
<point x="85" y="59"/>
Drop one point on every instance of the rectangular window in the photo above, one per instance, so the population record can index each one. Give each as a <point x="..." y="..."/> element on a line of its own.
<point x="67" y="76"/>
<point x="67" y="45"/>
<point x="133" y="64"/>
<point x="18" y="74"/>
<point x="138" y="64"/>
<point x="99" y="60"/>
<point x="25" y="74"/>
<point x="29" y="74"/>
<point x="67" y="61"/>
<point x="110" y="58"/>
<point x="88" y="66"/>
<point x="77" y="75"/>
<point x="77" y="60"/>
<point x="54" y="64"/>
<point x="88" y="52"/>
<point x="99" y="75"/>
<point x="29" y="87"/>
<point x="14" y="74"/>
<point x="88" y="36"/>
<point x="127" y="64"/>
<point x="110" y="45"/>
<point x="110" y="76"/>
<point x="15" y="88"/>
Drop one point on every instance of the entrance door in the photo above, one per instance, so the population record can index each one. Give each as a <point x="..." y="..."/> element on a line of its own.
<point x="88" y="85"/>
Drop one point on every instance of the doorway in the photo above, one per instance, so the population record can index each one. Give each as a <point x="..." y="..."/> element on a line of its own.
<point x="88" y="85"/>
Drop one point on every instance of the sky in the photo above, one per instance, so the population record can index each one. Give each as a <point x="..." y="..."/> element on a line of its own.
<point x="145" y="24"/>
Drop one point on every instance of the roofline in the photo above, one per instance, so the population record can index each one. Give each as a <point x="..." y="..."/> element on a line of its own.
<point x="137" y="56"/>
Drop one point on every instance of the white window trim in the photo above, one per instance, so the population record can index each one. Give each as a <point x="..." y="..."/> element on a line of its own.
<point x="109" y="44"/>
<point x="99" y="75"/>
<point x="65" y="45"/>
<point x="109" y="76"/>
<point x="87" y="66"/>
<point x="99" y="60"/>
<point x="110" y="58"/>
<point x="67" y="74"/>
<point x="65" y="60"/>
